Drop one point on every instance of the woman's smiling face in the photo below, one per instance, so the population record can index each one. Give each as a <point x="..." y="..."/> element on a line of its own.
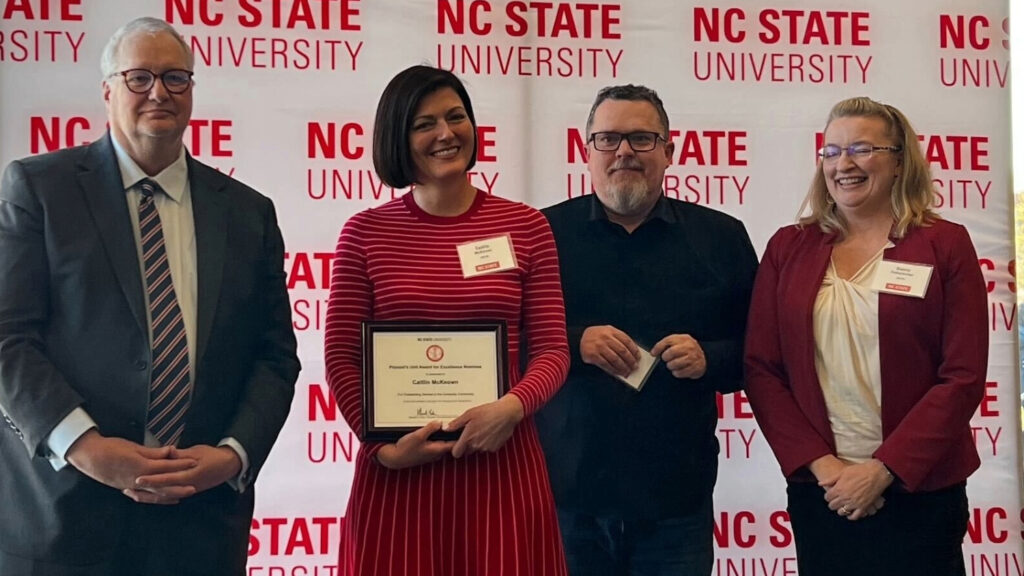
<point x="860" y="186"/>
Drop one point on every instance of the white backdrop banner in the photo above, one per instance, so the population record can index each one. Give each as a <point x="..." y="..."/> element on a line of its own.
<point x="284" y="100"/>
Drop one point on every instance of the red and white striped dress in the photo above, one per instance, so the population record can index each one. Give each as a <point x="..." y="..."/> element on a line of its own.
<point x="487" y="514"/>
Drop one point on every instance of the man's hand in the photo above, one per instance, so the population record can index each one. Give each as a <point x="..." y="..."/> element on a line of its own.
<point x="414" y="449"/>
<point x="117" y="462"/>
<point x="214" y="465"/>
<point x="610" y="349"/>
<point x="486" y="428"/>
<point x="682" y="355"/>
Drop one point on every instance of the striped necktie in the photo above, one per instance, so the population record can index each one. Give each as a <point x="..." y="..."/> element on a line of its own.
<point x="169" y="391"/>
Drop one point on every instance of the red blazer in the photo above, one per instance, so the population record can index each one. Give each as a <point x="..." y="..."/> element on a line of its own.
<point x="933" y="353"/>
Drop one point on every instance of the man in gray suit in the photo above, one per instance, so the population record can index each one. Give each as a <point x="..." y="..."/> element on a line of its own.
<point x="147" y="361"/>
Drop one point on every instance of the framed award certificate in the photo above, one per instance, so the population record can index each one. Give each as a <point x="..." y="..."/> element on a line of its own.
<point x="417" y="372"/>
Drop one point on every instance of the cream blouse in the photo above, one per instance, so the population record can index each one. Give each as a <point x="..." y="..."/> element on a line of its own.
<point x="847" y="361"/>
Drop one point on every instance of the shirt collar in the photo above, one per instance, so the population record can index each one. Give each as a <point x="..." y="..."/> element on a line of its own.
<point x="662" y="210"/>
<point x="171" y="179"/>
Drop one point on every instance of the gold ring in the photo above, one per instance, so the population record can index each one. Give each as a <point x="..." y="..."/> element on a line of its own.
<point x="844" y="511"/>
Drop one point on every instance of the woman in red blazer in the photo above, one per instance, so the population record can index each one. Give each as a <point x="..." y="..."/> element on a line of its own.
<point x="866" y="353"/>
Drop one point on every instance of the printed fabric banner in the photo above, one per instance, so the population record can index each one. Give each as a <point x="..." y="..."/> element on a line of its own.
<point x="285" y="97"/>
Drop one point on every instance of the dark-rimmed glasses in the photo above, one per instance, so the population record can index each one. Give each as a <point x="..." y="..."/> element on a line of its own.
<point x="830" y="154"/>
<point x="140" y="80"/>
<point x="638" y="141"/>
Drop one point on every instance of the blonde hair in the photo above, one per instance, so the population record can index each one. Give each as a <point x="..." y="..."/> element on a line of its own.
<point x="912" y="194"/>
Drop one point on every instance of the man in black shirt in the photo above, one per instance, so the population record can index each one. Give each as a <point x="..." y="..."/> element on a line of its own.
<point x="633" y="471"/>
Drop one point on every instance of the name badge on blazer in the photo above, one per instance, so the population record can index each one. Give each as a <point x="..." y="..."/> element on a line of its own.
<point x="486" y="256"/>
<point x="902" y="278"/>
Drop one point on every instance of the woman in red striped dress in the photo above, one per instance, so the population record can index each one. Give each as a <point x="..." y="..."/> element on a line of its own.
<point x="480" y="505"/>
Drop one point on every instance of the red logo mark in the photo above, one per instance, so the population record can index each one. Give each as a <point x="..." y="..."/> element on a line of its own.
<point x="435" y="353"/>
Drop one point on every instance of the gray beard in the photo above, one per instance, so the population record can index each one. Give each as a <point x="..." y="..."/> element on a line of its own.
<point x="632" y="199"/>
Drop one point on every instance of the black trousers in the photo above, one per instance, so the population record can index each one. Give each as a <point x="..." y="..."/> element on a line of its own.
<point x="205" y="535"/>
<point x="913" y="534"/>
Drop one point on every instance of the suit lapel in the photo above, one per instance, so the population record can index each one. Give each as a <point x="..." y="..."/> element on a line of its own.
<point x="209" y="206"/>
<point x="104" y="193"/>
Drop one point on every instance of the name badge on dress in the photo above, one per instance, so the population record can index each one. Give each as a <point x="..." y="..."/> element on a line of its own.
<point x="902" y="278"/>
<point x="486" y="256"/>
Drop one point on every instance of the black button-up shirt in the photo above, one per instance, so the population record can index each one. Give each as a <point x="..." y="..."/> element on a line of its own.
<point x="686" y="269"/>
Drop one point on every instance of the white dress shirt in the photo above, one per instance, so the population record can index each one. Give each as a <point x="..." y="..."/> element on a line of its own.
<point x="174" y="206"/>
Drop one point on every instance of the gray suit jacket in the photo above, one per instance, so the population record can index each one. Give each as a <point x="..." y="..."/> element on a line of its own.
<point x="73" y="332"/>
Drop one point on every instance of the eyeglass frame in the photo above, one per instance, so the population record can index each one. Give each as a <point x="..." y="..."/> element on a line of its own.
<point x="124" y="75"/>
<point x="855" y="151"/>
<point x="625" y="136"/>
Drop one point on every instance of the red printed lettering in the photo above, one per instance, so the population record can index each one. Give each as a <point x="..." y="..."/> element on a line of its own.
<point x="48" y="134"/>
<point x="989" y="270"/>
<point x="453" y="19"/>
<point x="327" y="140"/>
<point x="988" y="409"/>
<point x="214" y="132"/>
<point x="729" y="531"/>
<point x="710" y="147"/>
<point x="782" y="533"/>
<point x="576" y="147"/>
<point x="982" y="526"/>
<point x="563" y="19"/>
<point x="956" y="152"/>
<point x="301" y="270"/>
<point x="283" y="536"/>
<point x="296" y="14"/>
<point x="960" y="31"/>
<point x="735" y="405"/>
<point x="42" y="10"/>
<point x="485" y="144"/>
<point x="322" y="405"/>
<point x="807" y="27"/>
<point x="716" y="25"/>
<point x="185" y="11"/>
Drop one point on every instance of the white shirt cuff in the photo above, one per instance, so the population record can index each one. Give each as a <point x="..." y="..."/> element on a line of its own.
<point x="65" y="434"/>
<point x="240" y="482"/>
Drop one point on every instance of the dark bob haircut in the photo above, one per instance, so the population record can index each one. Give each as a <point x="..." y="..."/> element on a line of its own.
<point x="395" y="112"/>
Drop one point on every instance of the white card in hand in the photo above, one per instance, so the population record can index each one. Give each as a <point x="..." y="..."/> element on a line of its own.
<point x="638" y="377"/>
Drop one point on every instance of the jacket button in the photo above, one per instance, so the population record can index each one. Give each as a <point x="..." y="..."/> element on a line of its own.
<point x="140" y="365"/>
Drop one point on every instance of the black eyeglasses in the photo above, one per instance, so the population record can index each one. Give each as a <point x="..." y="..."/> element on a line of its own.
<point x="830" y="154"/>
<point x="140" y="80"/>
<point x="638" y="141"/>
